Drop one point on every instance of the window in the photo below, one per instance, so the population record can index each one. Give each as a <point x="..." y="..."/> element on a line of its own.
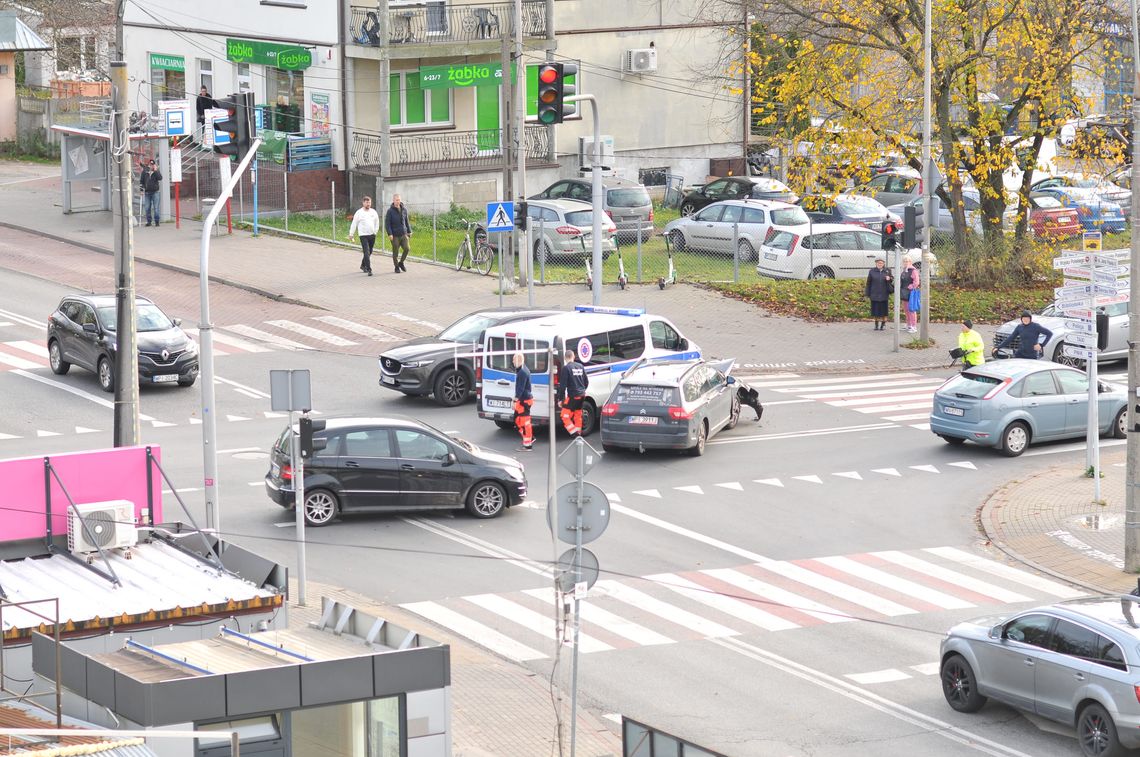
<point x="206" y="74"/>
<point x="70" y="310"/>
<point x="842" y="240"/>
<point x="717" y="189"/>
<point x="1031" y="629"/>
<point x="789" y="216"/>
<point x="86" y="315"/>
<point x="1076" y="641"/>
<point x="1038" y="385"/>
<point x="628" y="343"/>
<point x="870" y="240"/>
<point x="713" y="379"/>
<point x="664" y="336"/>
<point x="411" y="105"/>
<point x="535" y="353"/>
<point x="1109" y="655"/>
<point x="69" y="54"/>
<point x="600" y="343"/>
<point x="1072" y="382"/>
<point x="693" y="383"/>
<point x="244" y="82"/>
<point x="754" y="215"/>
<point x="711" y="213"/>
<point x="878" y="184"/>
<point x="901" y="184"/>
<point x="651" y="177"/>
<point x="373" y="442"/>
<point x="732" y="214"/>
<point x="419" y="446"/>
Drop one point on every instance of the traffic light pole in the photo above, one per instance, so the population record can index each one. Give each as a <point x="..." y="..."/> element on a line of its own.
<point x="206" y="356"/>
<point x="927" y="189"/>
<point x="1132" y="460"/>
<point x="596" y="199"/>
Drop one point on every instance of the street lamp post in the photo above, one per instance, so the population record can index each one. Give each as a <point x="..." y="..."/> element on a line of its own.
<point x="1132" y="459"/>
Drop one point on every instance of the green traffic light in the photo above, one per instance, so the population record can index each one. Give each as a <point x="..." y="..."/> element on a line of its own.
<point x="547" y="116"/>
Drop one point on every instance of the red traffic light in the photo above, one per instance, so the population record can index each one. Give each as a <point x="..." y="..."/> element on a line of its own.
<point x="547" y="74"/>
<point x="889" y="228"/>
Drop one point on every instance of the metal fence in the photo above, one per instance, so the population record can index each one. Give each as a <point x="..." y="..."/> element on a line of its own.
<point x="430" y="154"/>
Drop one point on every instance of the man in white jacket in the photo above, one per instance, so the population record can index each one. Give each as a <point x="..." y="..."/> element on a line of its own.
<point x="367" y="221"/>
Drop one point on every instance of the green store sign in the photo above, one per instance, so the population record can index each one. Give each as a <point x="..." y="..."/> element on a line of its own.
<point x="167" y="62"/>
<point x="286" y="57"/>
<point x="461" y="75"/>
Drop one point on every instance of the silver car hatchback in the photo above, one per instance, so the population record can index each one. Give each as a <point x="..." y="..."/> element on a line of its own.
<point x="1074" y="662"/>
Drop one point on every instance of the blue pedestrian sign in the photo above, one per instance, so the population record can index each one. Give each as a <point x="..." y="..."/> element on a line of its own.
<point x="500" y="216"/>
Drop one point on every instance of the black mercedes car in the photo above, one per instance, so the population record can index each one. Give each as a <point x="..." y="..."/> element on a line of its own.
<point x="442" y="365"/>
<point x="81" y="332"/>
<point x="394" y="463"/>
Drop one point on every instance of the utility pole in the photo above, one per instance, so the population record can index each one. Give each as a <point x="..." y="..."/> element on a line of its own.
<point x="928" y="190"/>
<point x="747" y="103"/>
<point x="126" y="366"/>
<point x="524" y="253"/>
<point x="1132" y="469"/>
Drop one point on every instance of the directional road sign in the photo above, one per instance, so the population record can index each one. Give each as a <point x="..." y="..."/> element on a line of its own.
<point x="1106" y="260"/>
<point x="1073" y="290"/>
<point x="1085" y="327"/>
<point x="1079" y="352"/>
<point x="1087" y="341"/>
<point x="1076" y="304"/>
<point x="1063" y="261"/>
<point x="1120" y="297"/>
<point x="1109" y="290"/>
<point x="1078" y="271"/>
<point x="1108" y="275"/>
<point x="500" y="216"/>
<point x="1080" y="311"/>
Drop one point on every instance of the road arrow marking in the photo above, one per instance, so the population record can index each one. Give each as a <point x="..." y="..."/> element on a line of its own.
<point x="734" y="485"/>
<point x="9" y="436"/>
<point x="42" y="434"/>
<point x="271" y="414"/>
<point x="769" y="481"/>
<point x="649" y="493"/>
<point x="809" y="479"/>
<point x="85" y="430"/>
<point x="235" y="418"/>
<point x="195" y="421"/>
<point x="965" y="464"/>
<point x="927" y="468"/>
<point x="160" y="424"/>
<point x="690" y="489"/>
<point x="613" y="497"/>
<point x="886" y="471"/>
<point x="849" y="474"/>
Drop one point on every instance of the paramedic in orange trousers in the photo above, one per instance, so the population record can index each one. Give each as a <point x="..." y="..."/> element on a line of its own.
<point x="524" y="398"/>
<point x="572" y="385"/>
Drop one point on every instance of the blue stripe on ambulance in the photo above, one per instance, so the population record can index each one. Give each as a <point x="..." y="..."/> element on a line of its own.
<point x="493" y="375"/>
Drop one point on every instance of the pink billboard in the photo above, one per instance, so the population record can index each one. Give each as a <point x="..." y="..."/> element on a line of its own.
<point x="92" y="476"/>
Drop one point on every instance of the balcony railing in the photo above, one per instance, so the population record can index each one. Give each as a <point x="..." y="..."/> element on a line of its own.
<point x="440" y="23"/>
<point x="450" y="152"/>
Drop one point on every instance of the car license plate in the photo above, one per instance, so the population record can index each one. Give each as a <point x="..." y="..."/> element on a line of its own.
<point x="499" y="403"/>
<point x="1064" y="219"/>
<point x="770" y="256"/>
<point x="387" y="380"/>
<point x="953" y="410"/>
<point x="165" y="378"/>
<point x="643" y="420"/>
<point x="276" y="470"/>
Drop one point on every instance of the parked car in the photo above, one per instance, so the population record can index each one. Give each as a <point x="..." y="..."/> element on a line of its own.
<point x="1121" y="177"/>
<point x="81" y="332"/>
<point x="1103" y="187"/>
<point x="1094" y="213"/>
<point x="394" y="463"/>
<point x="627" y="203"/>
<point x="736" y="188"/>
<point x="1010" y="404"/>
<point x="442" y="365"/>
<point x="1049" y="218"/>
<point x="944" y="219"/>
<point x="565" y="228"/>
<point x="830" y="251"/>
<point x="893" y="187"/>
<point x="1050" y="318"/>
<point x="711" y="228"/>
<point x="674" y="404"/>
<point x="849" y="208"/>
<point x="1072" y="662"/>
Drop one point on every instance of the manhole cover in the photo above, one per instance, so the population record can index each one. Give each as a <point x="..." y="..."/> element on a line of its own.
<point x="251" y="455"/>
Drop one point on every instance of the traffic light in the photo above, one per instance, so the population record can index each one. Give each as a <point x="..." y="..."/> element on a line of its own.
<point x="309" y="445"/>
<point x="521" y="210"/>
<point x="912" y="218"/>
<point x="890" y="236"/>
<point x="553" y="91"/>
<point x="239" y="125"/>
<point x="1101" y="330"/>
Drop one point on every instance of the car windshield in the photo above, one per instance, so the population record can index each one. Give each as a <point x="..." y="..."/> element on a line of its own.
<point x="467" y="329"/>
<point x="647" y="395"/>
<point x="781" y="240"/>
<point x="854" y="206"/>
<point x="789" y="216"/>
<point x="148" y="318"/>
<point x="581" y="218"/>
<point x="1045" y="201"/>
<point x="632" y="197"/>
<point x="970" y="385"/>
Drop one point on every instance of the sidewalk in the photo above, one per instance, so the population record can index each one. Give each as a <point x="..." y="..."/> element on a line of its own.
<point x="326" y="276"/>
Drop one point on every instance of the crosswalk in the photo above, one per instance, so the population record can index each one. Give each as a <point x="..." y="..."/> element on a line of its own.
<point x="764" y="596"/>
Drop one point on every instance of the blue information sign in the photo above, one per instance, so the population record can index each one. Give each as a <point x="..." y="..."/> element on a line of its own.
<point x="500" y="216"/>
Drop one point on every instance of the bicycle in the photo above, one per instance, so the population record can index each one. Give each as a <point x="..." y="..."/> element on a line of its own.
<point x="478" y="254"/>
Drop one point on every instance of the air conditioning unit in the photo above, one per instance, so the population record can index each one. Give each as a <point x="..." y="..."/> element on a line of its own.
<point x="641" y="60"/>
<point x="110" y="525"/>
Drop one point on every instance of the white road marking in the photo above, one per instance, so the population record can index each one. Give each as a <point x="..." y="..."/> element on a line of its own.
<point x="878" y="676"/>
<point x="615" y="624"/>
<point x="5" y="437"/>
<point x="823" y="381"/>
<point x="32" y="348"/>
<point x="908" y="417"/>
<point x="927" y="668"/>
<point x="895" y="408"/>
<point x="613" y="497"/>
<point x="892" y="391"/>
<point x="239" y="449"/>
<point x="236" y="418"/>
<point x="72" y="390"/>
<point x="849" y="474"/>
<point x="925" y="468"/>
<point x="23" y="319"/>
<point x="734" y="485"/>
<point x="809" y="432"/>
<point x="834" y="587"/>
<point x="357" y="328"/>
<point x="721" y="603"/>
<point x="6" y="323"/>
<point x="886" y="471"/>
<point x="195" y="421"/>
<point x="787" y="402"/>
<point x="271" y="414"/>
<point x="477" y="632"/>
<point x="918" y="565"/>
<point x="769" y="481"/>
<point x="809" y="479"/>
<point x="649" y="493"/>
<point x="265" y="336"/>
<point x="41" y="434"/>
<point x="85" y="430"/>
<point x="241" y="344"/>
<point x="662" y="609"/>
<point x="312" y="333"/>
<point x="18" y="362"/>
<point x="865" y="401"/>
<point x="921" y="426"/>
<point x="1012" y="574"/>
<point x="964" y="464"/>
<point x="778" y="595"/>
<point x="409" y="319"/>
<point x="252" y="391"/>
<point x="1079" y="446"/>
<point x="160" y="424"/>
<point x="480" y="545"/>
<point x="690" y="489"/>
<point x="895" y="583"/>
<point x="531" y="620"/>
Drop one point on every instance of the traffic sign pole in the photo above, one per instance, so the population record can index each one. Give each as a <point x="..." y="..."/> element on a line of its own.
<point x="1132" y="469"/>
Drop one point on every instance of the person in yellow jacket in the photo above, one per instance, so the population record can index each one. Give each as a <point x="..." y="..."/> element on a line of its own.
<point x="973" y="349"/>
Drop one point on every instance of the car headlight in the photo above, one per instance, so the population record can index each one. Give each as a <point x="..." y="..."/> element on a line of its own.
<point x="417" y="363"/>
<point x="191" y="347"/>
<point x="516" y="474"/>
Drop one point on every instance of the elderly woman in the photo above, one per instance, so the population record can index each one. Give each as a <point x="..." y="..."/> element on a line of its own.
<point x="911" y="280"/>
<point x="878" y="291"/>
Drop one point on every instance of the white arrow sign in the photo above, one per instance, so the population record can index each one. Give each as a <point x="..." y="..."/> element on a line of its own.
<point x="1085" y="327"/>
<point x="1082" y="312"/>
<point x="1106" y="276"/>
<point x="1068" y="305"/>
<point x="1076" y="271"/>
<point x="1115" y="270"/>
<point x="1074" y="290"/>
<point x="1076" y="282"/>
<point x="1103" y="259"/>
<point x="1082" y="340"/>
<point x="1079" y="352"/>
<point x="1120" y="297"/>
<point x="1123" y="285"/>
<point x="1070" y="260"/>
<point x="1109" y="291"/>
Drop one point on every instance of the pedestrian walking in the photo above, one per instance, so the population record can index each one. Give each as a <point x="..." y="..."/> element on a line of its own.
<point x="1029" y="335"/>
<point x="203" y="103"/>
<point x="524" y="399"/>
<point x="572" y="385"/>
<point x="151" y="183"/>
<point x="971" y="348"/>
<point x="911" y="282"/>
<point x="399" y="231"/>
<point x="366" y="221"/>
<point x="880" y="286"/>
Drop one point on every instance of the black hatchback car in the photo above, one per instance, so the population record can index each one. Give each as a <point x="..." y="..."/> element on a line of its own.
<point x="441" y="365"/>
<point x="373" y="465"/>
<point x="81" y="332"/>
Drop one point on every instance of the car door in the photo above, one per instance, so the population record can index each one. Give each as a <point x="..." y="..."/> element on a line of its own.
<point x="1007" y="665"/>
<point x="68" y="331"/>
<point x="846" y="254"/>
<point x="88" y="343"/>
<point x="721" y="230"/>
<point x="717" y="397"/>
<point x="715" y="191"/>
<point x="428" y="477"/>
<point x="368" y="469"/>
<point x="1074" y="388"/>
<point x="872" y="246"/>
<point x="739" y="189"/>
<point x="702" y="230"/>
<point x="1064" y="669"/>
<point x="1117" y="330"/>
<point x="1044" y="404"/>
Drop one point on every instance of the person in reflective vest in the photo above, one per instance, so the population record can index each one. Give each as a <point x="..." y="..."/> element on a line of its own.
<point x="524" y="398"/>
<point x="572" y="385"/>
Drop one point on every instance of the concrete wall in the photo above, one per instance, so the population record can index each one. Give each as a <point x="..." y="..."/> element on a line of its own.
<point x="309" y="21"/>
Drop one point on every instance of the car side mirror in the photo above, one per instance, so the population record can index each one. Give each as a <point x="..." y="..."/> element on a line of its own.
<point x="996" y="631"/>
<point x="90" y="328"/>
<point x="683" y="344"/>
<point x="1101" y="387"/>
<point x="177" y="321"/>
<point x="451" y="459"/>
<point x="730" y="380"/>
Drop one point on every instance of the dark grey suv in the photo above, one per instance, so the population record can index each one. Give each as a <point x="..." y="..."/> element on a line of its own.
<point x="441" y="365"/>
<point x="394" y="463"/>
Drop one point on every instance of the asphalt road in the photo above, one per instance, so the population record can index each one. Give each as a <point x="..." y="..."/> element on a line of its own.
<point x="783" y="595"/>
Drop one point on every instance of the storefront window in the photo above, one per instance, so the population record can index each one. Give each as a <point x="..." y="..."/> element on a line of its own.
<point x="167" y="78"/>
<point x="285" y="93"/>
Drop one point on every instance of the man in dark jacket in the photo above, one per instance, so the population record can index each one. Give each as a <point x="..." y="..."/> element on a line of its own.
<point x="878" y="291"/>
<point x="1030" y="334"/>
<point x="399" y="230"/>
<point x="203" y="103"/>
<point x="151" y="184"/>
<point x="524" y="398"/>
<point x="572" y="385"/>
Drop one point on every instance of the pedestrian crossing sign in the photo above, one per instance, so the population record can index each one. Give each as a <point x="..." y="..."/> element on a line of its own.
<point x="500" y="216"/>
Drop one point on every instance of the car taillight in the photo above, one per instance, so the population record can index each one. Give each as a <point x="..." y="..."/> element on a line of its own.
<point x="993" y="392"/>
<point x="610" y="408"/>
<point x="610" y="214"/>
<point x="286" y="473"/>
<point x="771" y="232"/>
<point x="570" y="231"/>
<point x="1136" y="690"/>
<point x="478" y="370"/>
<point x="679" y="414"/>
<point x="792" y="246"/>
<point x="651" y="214"/>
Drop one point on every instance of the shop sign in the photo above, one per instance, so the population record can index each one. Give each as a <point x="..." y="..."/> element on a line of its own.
<point x="285" y="57"/>
<point x="167" y="62"/>
<point x="461" y="75"/>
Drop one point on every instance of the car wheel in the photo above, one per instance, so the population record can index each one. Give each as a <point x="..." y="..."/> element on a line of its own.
<point x="698" y="449"/>
<point x="59" y="366"/>
<point x="452" y="387"/>
<point x="954" y="441"/>
<point x="106" y="373"/>
<point x="505" y="425"/>
<point x="745" y="251"/>
<point x="822" y="272"/>
<point x="188" y="381"/>
<point x="677" y="241"/>
<point x="1014" y="439"/>
<point x="321" y="507"/>
<point x="734" y="414"/>
<point x="687" y="209"/>
<point x="1120" y="424"/>
<point x="960" y="685"/>
<point x="1059" y="356"/>
<point x="539" y="246"/>
<point x="589" y="417"/>
<point x="486" y="500"/>
<point x="1096" y="733"/>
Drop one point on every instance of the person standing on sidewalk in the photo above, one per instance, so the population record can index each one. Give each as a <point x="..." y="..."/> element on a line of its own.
<point x="911" y="281"/>
<point x="367" y="221"/>
<point x="1030" y="336"/>
<point x="572" y="385"/>
<point x="880" y="285"/>
<point x="399" y="230"/>
<point x="524" y="399"/>
<point x="203" y="103"/>
<point x="151" y="183"/>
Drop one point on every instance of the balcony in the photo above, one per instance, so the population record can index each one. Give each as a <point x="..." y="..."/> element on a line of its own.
<point x="442" y="23"/>
<point x="445" y="153"/>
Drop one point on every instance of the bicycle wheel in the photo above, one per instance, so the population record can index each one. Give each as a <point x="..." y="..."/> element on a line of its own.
<point x="460" y="254"/>
<point x="484" y="258"/>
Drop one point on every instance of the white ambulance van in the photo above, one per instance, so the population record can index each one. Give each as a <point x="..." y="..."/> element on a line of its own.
<point x="607" y="340"/>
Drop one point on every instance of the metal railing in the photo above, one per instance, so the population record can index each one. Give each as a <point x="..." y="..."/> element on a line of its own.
<point x="444" y="152"/>
<point x="440" y="22"/>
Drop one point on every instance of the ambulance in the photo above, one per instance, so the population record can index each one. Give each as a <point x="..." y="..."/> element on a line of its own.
<point x="607" y="340"/>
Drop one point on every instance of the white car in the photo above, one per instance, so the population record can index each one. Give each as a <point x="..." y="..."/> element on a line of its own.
<point x="712" y="228"/>
<point x="829" y="251"/>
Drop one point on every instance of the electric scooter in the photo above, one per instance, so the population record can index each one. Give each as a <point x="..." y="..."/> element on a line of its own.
<point x="670" y="277"/>
<point x="586" y="256"/>
<point x="622" y="278"/>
